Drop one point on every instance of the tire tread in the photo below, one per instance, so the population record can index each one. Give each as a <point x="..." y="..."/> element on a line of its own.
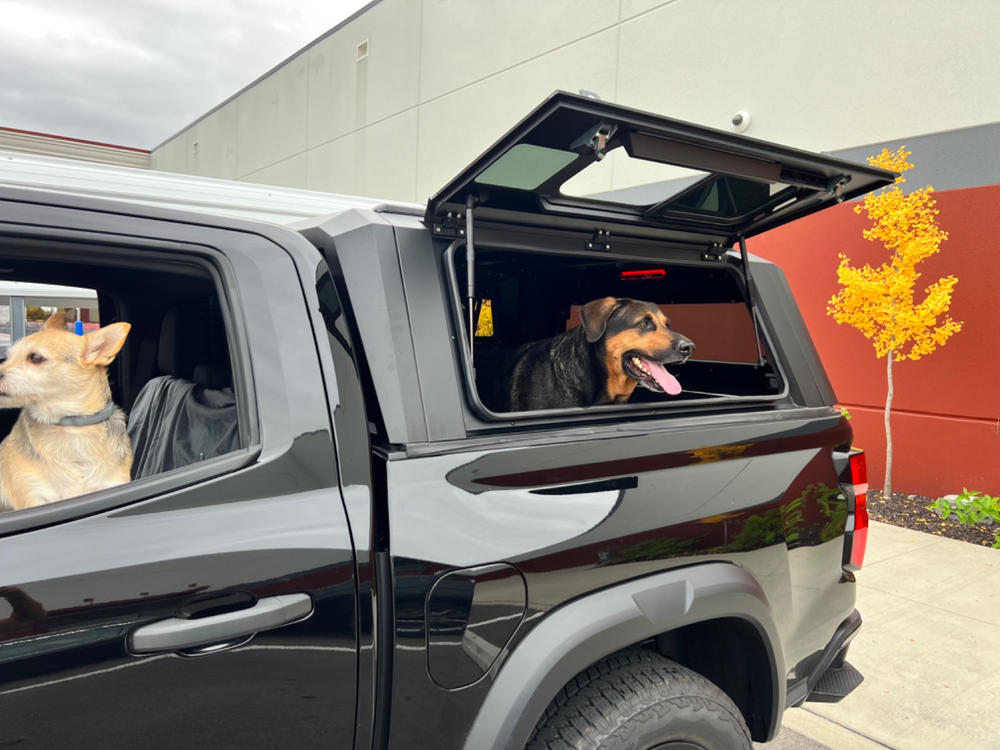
<point x="602" y="706"/>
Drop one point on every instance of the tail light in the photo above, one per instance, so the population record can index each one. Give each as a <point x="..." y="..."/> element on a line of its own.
<point x="857" y="521"/>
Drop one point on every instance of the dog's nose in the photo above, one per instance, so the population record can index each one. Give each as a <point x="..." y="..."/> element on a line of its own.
<point x="685" y="346"/>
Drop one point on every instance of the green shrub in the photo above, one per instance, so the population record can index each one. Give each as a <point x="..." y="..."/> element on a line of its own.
<point x="971" y="507"/>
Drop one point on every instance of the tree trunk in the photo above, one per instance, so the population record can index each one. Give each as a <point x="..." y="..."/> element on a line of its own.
<point x="887" y="490"/>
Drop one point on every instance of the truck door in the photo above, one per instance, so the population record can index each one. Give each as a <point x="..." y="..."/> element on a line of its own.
<point x="211" y="601"/>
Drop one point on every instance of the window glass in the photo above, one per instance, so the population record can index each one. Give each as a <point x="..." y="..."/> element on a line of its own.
<point x="525" y="167"/>
<point x="525" y="299"/>
<point x="619" y="178"/>
<point x="622" y="179"/>
<point x="155" y="374"/>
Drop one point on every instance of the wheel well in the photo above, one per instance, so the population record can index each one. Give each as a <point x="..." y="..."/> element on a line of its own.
<point x="730" y="653"/>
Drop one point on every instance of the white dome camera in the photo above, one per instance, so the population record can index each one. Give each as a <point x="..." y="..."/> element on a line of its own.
<point x="740" y="121"/>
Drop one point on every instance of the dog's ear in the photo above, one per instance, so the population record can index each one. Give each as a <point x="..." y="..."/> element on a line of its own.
<point x="595" y="316"/>
<point x="56" y="320"/>
<point x="101" y="346"/>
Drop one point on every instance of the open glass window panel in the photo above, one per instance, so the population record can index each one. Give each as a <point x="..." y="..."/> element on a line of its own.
<point x="624" y="179"/>
<point x="169" y="369"/>
<point x="524" y="297"/>
<point x="587" y="161"/>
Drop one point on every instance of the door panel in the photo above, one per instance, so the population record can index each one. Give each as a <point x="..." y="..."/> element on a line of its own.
<point x="74" y="592"/>
<point x="77" y="578"/>
<point x="574" y="517"/>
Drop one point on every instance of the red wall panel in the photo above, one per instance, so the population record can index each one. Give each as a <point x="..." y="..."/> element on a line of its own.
<point x="933" y="455"/>
<point x="947" y="405"/>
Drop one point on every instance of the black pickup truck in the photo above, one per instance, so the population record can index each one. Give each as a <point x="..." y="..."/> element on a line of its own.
<point x="338" y="535"/>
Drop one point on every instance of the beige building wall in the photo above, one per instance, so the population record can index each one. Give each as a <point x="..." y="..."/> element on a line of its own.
<point x="443" y="79"/>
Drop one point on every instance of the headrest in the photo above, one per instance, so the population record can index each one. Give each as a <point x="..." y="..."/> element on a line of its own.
<point x="212" y="376"/>
<point x="191" y="335"/>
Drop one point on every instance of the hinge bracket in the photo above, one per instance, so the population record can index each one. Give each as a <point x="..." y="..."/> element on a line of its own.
<point x="601" y="240"/>
<point x="836" y="187"/>
<point x="451" y="224"/>
<point x="595" y="140"/>
<point x="716" y="252"/>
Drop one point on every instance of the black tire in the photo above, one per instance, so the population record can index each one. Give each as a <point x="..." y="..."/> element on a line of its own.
<point x="639" y="700"/>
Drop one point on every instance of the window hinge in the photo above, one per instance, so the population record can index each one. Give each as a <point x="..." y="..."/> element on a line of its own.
<point x="451" y="224"/>
<point x="595" y="140"/>
<point x="716" y="252"/>
<point x="600" y="241"/>
<point x="836" y="187"/>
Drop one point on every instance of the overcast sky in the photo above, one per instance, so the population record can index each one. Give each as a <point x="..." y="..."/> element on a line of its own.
<point x="134" y="72"/>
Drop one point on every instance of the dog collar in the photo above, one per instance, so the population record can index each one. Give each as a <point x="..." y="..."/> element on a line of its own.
<point x="81" y="420"/>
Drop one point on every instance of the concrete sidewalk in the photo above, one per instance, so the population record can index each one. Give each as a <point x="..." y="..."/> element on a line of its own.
<point x="929" y="649"/>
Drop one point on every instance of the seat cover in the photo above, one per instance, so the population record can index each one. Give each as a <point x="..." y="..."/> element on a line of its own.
<point x="175" y="422"/>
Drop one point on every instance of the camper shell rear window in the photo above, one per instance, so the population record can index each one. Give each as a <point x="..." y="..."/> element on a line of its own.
<point x="525" y="296"/>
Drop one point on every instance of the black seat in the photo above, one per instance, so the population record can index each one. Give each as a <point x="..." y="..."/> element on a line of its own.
<point x="187" y="414"/>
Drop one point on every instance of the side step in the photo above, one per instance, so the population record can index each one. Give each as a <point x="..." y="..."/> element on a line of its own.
<point x="835" y="683"/>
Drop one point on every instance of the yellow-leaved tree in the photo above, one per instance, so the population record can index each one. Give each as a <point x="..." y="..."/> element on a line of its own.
<point x="882" y="302"/>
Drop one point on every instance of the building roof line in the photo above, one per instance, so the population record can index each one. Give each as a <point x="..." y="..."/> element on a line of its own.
<point x="55" y="137"/>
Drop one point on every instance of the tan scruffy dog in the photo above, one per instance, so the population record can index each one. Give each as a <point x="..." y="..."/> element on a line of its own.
<point x="70" y="438"/>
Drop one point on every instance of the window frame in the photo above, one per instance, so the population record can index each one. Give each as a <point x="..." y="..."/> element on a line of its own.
<point x="574" y="414"/>
<point x="141" y="252"/>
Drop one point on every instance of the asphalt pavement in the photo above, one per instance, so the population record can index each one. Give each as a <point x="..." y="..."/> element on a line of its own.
<point x="929" y="648"/>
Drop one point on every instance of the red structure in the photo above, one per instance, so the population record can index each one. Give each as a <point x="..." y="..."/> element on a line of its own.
<point x="946" y="410"/>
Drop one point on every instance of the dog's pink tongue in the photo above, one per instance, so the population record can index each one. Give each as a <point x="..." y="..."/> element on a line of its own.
<point x="666" y="381"/>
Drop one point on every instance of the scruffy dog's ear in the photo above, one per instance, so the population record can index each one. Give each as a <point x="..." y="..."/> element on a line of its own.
<point x="101" y="346"/>
<point x="595" y="316"/>
<point x="56" y="320"/>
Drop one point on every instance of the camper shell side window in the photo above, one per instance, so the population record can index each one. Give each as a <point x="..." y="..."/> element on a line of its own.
<point x="524" y="296"/>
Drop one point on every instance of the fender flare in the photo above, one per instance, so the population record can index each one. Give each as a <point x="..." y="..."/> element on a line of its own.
<point x="586" y="630"/>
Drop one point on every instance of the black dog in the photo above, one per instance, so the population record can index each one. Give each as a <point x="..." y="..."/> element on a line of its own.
<point x="622" y="343"/>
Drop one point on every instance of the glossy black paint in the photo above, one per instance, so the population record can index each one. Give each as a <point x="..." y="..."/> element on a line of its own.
<point x="77" y="585"/>
<point x="471" y="615"/>
<point x="763" y="495"/>
<point x="575" y="508"/>
<point x="370" y="485"/>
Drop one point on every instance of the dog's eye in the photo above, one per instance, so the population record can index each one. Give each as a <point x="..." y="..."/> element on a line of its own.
<point x="646" y="324"/>
<point x="35" y="358"/>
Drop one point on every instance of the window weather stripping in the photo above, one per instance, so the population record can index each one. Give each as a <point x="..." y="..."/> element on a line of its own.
<point x="751" y="302"/>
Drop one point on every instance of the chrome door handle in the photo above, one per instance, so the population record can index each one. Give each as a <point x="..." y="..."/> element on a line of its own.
<point x="175" y="633"/>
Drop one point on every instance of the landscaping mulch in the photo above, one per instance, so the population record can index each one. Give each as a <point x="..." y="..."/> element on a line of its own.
<point x="910" y="512"/>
